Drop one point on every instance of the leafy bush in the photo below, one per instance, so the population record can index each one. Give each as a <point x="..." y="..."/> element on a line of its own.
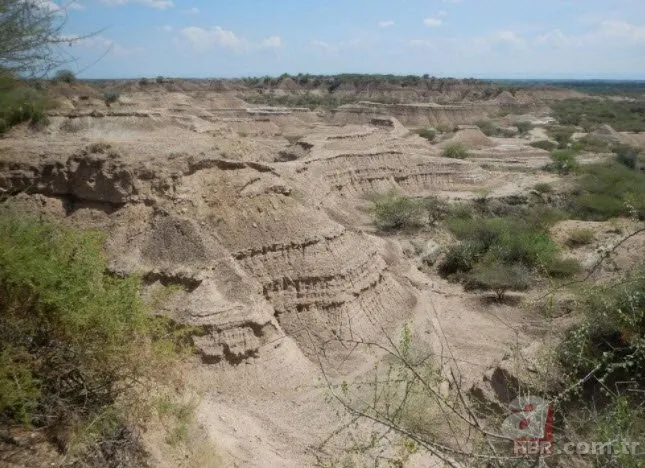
<point x="524" y="127"/>
<point x="427" y="133"/>
<point x="608" y="191"/>
<point x="460" y="258"/>
<point x="66" y="76"/>
<point x="592" y="144"/>
<point x="628" y="156"/>
<point x="563" y="162"/>
<point x="579" y="237"/>
<point x="445" y="128"/>
<point x="22" y="104"/>
<point x="544" y="144"/>
<point x="393" y="211"/>
<point x="563" y="267"/>
<point x="561" y="134"/>
<point x="144" y="82"/>
<point x="487" y="127"/>
<point x="543" y="187"/>
<point x="455" y="150"/>
<point x="110" y="97"/>
<point x="498" y="277"/>
<point x="74" y="340"/>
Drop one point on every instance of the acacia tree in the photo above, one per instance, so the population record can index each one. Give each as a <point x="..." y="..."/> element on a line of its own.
<point x="30" y="31"/>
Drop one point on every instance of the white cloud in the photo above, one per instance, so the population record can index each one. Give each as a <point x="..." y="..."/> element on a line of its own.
<point x="191" y="11"/>
<point x="159" y="4"/>
<point x="204" y="39"/>
<point x="508" y="37"/>
<point x="432" y="22"/>
<point x="272" y="42"/>
<point x="385" y="24"/>
<point x="166" y="28"/>
<point x="623" y="30"/>
<point x="102" y="43"/>
<point x="442" y="13"/>
<point x="452" y="1"/>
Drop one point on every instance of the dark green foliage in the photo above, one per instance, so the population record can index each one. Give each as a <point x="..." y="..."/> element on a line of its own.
<point x="628" y="156"/>
<point x="455" y="151"/>
<point x="621" y="115"/>
<point x="607" y="191"/>
<point x="498" y="277"/>
<point x="544" y="144"/>
<point x="110" y="97"/>
<point x="395" y="212"/>
<point x="19" y="103"/>
<point x="65" y="76"/>
<point x="460" y="258"/>
<point x="73" y="338"/>
<point x="564" y="162"/>
<point x="524" y="127"/>
<point x="561" y="134"/>
<point x="427" y="133"/>
<point x="487" y="127"/>
<point x="543" y="187"/>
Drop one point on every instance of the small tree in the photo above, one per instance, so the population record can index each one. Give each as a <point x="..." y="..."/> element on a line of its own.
<point x="427" y="133"/>
<point x="628" y="156"/>
<point x="393" y="212"/>
<point x="30" y="30"/>
<point x="110" y="97"/>
<point x="498" y="277"/>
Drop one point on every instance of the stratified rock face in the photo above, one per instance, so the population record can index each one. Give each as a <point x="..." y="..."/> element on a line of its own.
<point x="97" y="178"/>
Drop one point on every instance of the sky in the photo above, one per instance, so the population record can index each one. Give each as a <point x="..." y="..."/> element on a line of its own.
<point x="459" y="38"/>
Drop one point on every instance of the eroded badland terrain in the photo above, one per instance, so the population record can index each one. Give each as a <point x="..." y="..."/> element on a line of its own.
<point x="253" y="206"/>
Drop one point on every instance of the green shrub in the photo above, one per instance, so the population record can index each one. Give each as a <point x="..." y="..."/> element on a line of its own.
<point x="580" y="237"/>
<point x="487" y="127"/>
<point x="543" y="187"/>
<point x="621" y="115"/>
<point x="65" y="76"/>
<point x="563" y="268"/>
<point x="110" y="97"/>
<point x="563" y="162"/>
<point x="561" y="134"/>
<point x="459" y="258"/>
<point x="628" y="156"/>
<point x="22" y="104"/>
<point x="608" y="191"/>
<point x="524" y="127"/>
<point x="593" y="144"/>
<point x="144" y="82"/>
<point x="544" y="144"/>
<point x="445" y="128"/>
<point x="498" y="277"/>
<point x="455" y="150"/>
<point x="394" y="212"/>
<point x="74" y="339"/>
<point x="427" y="133"/>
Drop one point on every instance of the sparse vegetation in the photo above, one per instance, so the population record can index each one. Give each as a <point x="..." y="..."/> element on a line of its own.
<point x="487" y="127"/>
<point x="563" y="162"/>
<point x="543" y="187"/>
<point x="580" y="237"/>
<point x="620" y="115"/>
<point x="544" y="144"/>
<point x="398" y="212"/>
<point x="524" y="127"/>
<point x="628" y="156"/>
<point x="427" y="133"/>
<point x="561" y="134"/>
<point x="455" y="151"/>
<point x="110" y="97"/>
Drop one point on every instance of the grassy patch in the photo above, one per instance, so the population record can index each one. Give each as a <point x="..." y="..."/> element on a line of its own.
<point x="580" y="237"/>
<point x="427" y="133"/>
<point x="543" y="187"/>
